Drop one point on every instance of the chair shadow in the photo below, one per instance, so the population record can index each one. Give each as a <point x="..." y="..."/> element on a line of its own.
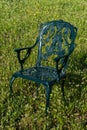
<point x="73" y="87"/>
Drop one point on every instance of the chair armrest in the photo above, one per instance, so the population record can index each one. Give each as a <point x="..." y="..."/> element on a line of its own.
<point x="59" y="67"/>
<point x="59" y="57"/>
<point x="19" y="50"/>
<point x="28" y="49"/>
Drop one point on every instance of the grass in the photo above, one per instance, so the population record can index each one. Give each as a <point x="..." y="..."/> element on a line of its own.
<point x="19" y="22"/>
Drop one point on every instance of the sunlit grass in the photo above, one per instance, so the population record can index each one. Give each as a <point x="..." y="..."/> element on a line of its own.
<point x="19" y="22"/>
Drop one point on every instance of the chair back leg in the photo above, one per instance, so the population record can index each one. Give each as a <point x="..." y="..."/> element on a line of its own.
<point x="11" y="83"/>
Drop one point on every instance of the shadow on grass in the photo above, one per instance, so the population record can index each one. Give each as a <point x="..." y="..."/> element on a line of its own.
<point x="73" y="87"/>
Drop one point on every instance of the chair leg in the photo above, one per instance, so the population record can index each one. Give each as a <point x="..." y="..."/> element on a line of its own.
<point x="62" y="88"/>
<point x="37" y="85"/>
<point x="11" y="82"/>
<point x="48" y="92"/>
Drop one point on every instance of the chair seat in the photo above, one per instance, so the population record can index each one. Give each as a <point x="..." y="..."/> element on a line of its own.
<point x="39" y="74"/>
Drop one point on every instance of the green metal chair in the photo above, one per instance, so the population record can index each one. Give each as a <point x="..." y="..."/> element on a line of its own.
<point x="55" y="43"/>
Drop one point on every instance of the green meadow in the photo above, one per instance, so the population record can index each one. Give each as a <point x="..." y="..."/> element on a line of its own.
<point x="19" y="23"/>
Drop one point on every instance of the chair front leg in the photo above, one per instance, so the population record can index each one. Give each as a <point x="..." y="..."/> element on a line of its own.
<point x="62" y="88"/>
<point x="48" y="92"/>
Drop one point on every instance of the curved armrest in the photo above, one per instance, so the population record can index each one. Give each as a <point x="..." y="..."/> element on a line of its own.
<point x="28" y="51"/>
<point x="21" y="61"/>
<point x="59" y="66"/>
<point x="20" y="49"/>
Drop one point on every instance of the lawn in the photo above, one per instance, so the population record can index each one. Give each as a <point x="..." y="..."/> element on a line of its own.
<point x="19" y="23"/>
